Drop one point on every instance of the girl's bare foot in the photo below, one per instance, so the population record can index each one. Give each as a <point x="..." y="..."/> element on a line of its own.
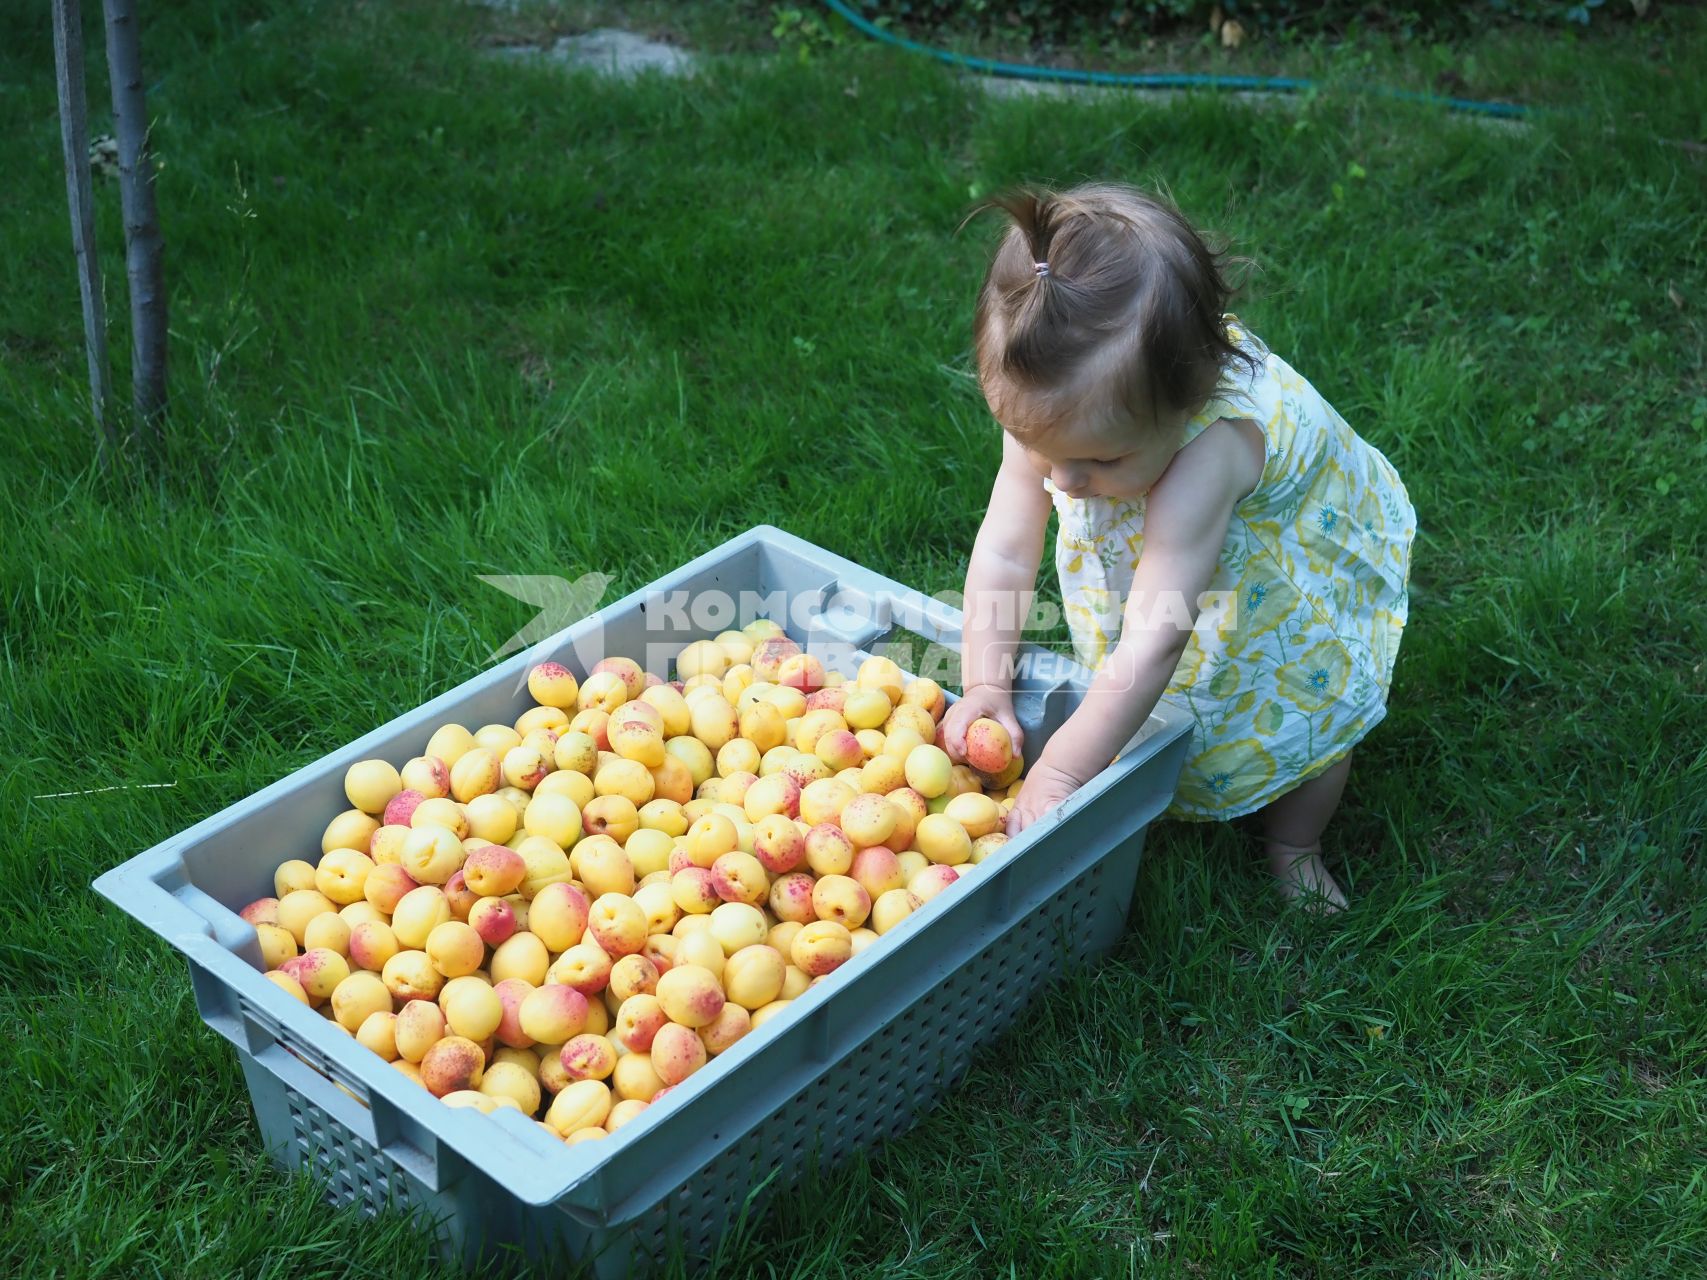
<point x="1302" y="878"/>
<point x="1292" y="838"/>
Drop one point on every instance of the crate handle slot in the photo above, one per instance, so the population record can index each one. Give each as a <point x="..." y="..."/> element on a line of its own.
<point x="379" y="1123"/>
<point x="937" y="622"/>
<point x="865" y="608"/>
<point x="317" y="1089"/>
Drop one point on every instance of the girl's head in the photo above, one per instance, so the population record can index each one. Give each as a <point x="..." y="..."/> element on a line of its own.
<point x="1099" y="332"/>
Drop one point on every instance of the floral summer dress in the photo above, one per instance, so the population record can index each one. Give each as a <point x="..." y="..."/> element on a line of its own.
<point x="1287" y="679"/>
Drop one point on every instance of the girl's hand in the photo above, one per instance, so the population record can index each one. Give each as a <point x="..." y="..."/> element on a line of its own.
<point x="1045" y="787"/>
<point x="981" y="701"/>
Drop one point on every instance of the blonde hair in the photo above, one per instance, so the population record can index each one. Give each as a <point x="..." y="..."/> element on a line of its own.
<point x="1100" y="300"/>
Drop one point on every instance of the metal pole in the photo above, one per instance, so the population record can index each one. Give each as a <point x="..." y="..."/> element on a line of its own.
<point x="74" y="133"/>
<point x="142" y="241"/>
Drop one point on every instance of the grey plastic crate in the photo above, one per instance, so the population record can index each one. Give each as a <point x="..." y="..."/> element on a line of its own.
<point x="851" y="1062"/>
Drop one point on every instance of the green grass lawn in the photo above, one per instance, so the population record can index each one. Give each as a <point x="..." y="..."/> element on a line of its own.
<point x="436" y="316"/>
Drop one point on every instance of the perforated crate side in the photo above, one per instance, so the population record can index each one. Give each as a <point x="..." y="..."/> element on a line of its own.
<point x="300" y="1134"/>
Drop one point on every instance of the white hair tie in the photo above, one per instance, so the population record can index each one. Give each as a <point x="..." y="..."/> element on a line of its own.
<point x="1042" y="269"/>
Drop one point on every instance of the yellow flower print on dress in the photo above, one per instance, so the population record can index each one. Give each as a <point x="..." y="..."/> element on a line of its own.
<point x="1317" y="677"/>
<point x="1268" y="719"/>
<point x="1090" y="642"/>
<point x="1093" y="616"/>
<point x="1224" y="683"/>
<point x="1352" y="727"/>
<point x="1324" y="526"/>
<point x="1371" y="589"/>
<point x="1270" y="542"/>
<point x="1226" y="769"/>
<point x="1076" y="549"/>
<point x="1190" y="663"/>
<point x="1370" y="518"/>
<point x="1265" y="602"/>
<point x="1388" y="627"/>
<point x="1266" y="534"/>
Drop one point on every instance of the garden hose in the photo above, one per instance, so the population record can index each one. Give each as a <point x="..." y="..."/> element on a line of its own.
<point x="1146" y="80"/>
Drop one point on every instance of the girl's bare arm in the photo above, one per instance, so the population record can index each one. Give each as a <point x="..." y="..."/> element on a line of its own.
<point x="1001" y="580"/>
<point x="1002" y="576"/>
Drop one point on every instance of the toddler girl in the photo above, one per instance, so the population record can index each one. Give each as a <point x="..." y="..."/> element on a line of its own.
<point x="1181" y="457"/>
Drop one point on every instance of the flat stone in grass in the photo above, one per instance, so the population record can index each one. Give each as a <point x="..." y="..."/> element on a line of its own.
<point x="611" y="52"/>
<point x="1014" y="87"/>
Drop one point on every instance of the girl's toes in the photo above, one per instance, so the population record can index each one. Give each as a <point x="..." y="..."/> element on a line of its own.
<point x="1302" y="878"/>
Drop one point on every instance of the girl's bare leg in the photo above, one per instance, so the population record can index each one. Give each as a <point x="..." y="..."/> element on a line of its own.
<point x="1292" y="838"/>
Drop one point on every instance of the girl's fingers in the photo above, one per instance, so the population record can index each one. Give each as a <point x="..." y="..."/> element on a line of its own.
<point x="953" y="735"/>
<point x="1019" y="817"/>
<point x="1009" y="723"/>
<point x="954" y="725"/>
